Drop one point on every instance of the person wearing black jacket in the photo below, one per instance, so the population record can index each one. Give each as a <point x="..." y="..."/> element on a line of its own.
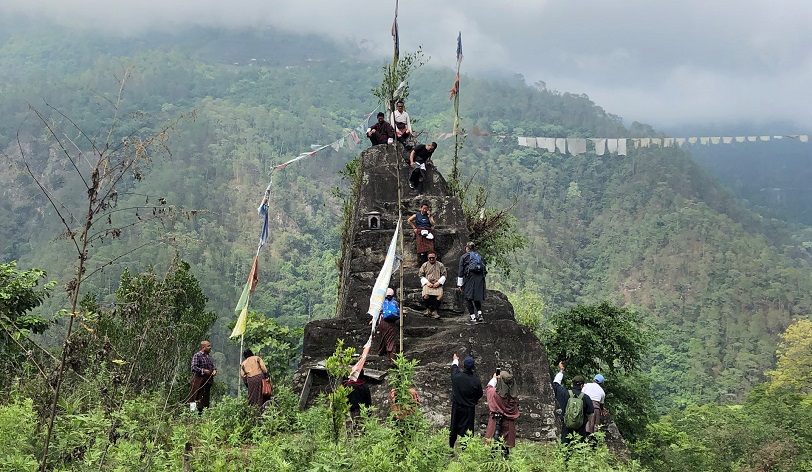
<point x="466" y="390"/>
<point x="562" y="395"/>
<point x="359" y="395"/>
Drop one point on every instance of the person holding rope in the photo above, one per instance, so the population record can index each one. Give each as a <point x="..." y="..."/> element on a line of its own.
<point x="203" y="373"/>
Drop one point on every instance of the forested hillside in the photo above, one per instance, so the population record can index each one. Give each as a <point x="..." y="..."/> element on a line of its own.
<point x="651" y="229"/>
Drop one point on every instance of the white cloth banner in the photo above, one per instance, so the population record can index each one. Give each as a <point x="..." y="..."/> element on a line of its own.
<point x="382" y="282"/>
<point x="522" y="141"/>
<point x="764" y="138"/>
<point x="644" y="142"/>
<point x="621" y="147"/>
<point x="576" y="146"/>
<point x="611" y="145"/>
<point x="636" y="142"/>
<point x="668" y="142"/>
<point x="740" y="139"/>
<point x="692" y="140"/>
<point x="531" y="142"/>
<point x="600" y="146"/>
<point x="727" y="139"/>
<point x="549" y="144"/>
<point x="561" y="145"/>
<point x="752" y="139"/>
<point x="704" y="140"/>
<point x="656" y="141"/>
<point x="715" y="140"/>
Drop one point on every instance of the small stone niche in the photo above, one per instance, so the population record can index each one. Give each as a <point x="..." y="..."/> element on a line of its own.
<point x="374" y="220"/>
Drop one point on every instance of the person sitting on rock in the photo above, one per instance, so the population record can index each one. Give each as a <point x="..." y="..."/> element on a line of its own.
<point x="422" y="223"/>
<point x="432" y="277"/>
<point x="403" y="127"/>
<point x="381" y="132"/>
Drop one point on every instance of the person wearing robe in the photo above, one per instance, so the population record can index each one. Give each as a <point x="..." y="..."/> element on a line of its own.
<point x="359" y="396"/>
<point x="252" y="371"/>
<point x="501" y="395"/>
<point x="422" y="223"/>
<point x="420" y="161"/>
<point x="403" y="127"/>
<point x="472" y="285"/>
<point x="432" y="277"/>
<point x="381" y="132"/>
<point x="466" y="390"/>
<point x="388" y="326"/>
<point x="203" y="373"/>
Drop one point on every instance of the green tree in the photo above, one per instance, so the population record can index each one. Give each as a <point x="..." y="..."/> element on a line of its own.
<point x="278" y="345"/>
<point x="611" y="340"/>
<point x="793" y="370"/>
<point x="20" y="292"/>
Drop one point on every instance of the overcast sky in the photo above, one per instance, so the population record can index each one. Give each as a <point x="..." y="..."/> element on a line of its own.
<point x="678" y="63"/>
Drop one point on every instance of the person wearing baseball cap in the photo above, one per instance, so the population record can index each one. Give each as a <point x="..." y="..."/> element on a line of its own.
<point x="595" y="391"/>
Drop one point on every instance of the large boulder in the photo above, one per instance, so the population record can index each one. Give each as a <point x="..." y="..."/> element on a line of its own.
<point x="499" y="342"/>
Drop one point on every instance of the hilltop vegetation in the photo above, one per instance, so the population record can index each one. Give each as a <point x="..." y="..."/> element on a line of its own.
<point x="652" y="230"/>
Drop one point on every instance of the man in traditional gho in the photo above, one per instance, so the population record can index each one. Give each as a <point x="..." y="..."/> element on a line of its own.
<point x="432" y="277"/>
<point x="381" y="132"/>
<point x="422" y="223"/>
<point x="203" y="373"/>
<point x="466" y="390"/>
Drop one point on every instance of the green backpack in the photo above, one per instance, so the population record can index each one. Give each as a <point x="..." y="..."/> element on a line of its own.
<point x="574" y="413"/>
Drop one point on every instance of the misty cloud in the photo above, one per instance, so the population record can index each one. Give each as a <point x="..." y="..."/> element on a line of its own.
<point x="665" y="63"/>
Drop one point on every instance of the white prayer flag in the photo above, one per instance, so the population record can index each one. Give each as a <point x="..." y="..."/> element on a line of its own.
<point x="531" y="142"/>
<point x="680" y="141"/>
<point x="522" y="141"/>
<point x="715" y="140"/>
<point x="764" y="138"/>
<point x="550" y="145"/>
<point x="752" y="139"/>
<point x="644" y="142"/>
<point x="576" y="146"/>
<point x="656" y="141"/>
<point x="561" y="145"/>
<point x="804" y="138"/>
<point x="727" y="139"/>
<point x="740" y="139"/>
<point x="692" y="140"/>
<point x="600" y="146"/>
<point x="668" y="142"/>
<point x="611" y="145"/>
<point x="621" y="147"/>
<point x="704" y="140"/>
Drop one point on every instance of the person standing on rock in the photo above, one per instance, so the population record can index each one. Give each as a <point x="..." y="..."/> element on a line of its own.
<point x="501" y="395"/>
<point x="422" y="223"/>
<point x="388" y="326"/>
<point x="466" y="390"/>
<point x="471" y="282"/>
<point x="420" y="161"/>
<point x="432" y="277"/>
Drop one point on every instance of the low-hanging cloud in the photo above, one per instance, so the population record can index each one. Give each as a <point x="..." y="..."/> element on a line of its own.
<point x="665" y="63"/>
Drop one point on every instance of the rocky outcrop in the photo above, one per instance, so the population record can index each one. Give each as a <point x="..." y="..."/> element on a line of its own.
<point x="499" y="342"/>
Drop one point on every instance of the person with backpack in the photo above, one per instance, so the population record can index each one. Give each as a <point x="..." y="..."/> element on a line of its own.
<point x="388" y="326"/>
<point x="471" y="282"/>
<point x="575" y="405"/>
